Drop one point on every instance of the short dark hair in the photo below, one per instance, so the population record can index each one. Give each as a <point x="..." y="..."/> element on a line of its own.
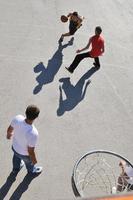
<point x="75" y="14"/>
<point x="32" y="112"/>
<point x="98" y="29"/>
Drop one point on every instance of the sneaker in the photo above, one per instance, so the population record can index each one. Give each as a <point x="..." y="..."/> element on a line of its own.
<point x="61" y="39"/>
<point x="114" y="190"/>
<point x="69" y="70"/>
<point x="96" y="66"/>
<point x="36" y="170"/>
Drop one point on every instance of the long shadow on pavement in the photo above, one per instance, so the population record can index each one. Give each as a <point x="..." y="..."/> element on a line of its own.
<point x="23" y="186"/>
<point x="74" y="94"/>
<point x="48" y="73"/>
<point x="7" y="185"/>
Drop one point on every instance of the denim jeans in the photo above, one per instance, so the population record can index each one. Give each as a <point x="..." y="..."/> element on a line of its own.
<point x="17" y="162"/>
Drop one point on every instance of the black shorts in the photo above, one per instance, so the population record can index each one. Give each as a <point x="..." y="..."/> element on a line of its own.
<point x="72" y="30"/>
<point x="72" y="27"/>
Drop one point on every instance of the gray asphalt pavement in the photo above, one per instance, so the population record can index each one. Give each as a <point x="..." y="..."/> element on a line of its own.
<point x="32" y="71"/>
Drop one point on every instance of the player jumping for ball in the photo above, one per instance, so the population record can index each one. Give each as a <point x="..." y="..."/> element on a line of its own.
<point x="75" y="22"/>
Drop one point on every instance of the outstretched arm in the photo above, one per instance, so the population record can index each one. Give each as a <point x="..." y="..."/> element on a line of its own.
<point x="85" y="48"/>
<point x="80" y="19"/>
<point x="69" y="15"/>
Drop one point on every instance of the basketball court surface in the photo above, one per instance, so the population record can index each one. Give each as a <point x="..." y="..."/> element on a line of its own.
<point x="33" y="72"/>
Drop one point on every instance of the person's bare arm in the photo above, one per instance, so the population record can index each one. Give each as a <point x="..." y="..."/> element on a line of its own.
<point x="103" y="48"/>
<point x="31" y="151"/>
<point x="9" y="132"/>
<point x="69" y="15"/>
<point x="80" y="19"/>
<point x="122" y="164"/>
<point x="85" y="48"/>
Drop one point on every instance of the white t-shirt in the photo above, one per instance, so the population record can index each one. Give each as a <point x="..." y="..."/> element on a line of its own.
<point x="24" y="135"/>
<point x="129" y="172"/>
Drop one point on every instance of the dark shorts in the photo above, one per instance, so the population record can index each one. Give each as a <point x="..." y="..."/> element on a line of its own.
<point x="72" y="30"/>
<point x="72" y="27"/>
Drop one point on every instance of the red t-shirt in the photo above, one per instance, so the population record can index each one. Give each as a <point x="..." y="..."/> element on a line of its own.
<point x="97" y="43"/>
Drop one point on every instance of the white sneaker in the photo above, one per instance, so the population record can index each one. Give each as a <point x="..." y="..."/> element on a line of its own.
<point x="114" y="190"/>
<point x="37" y="170"/>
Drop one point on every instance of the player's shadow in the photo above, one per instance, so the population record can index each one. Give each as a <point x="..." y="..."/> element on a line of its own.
<point x="22" y="187"/>
<point x="48" y="73"/>
<point x="7" y="185"/>
<point x="73" y="94"/>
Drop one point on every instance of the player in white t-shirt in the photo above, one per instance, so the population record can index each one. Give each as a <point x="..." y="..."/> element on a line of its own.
<point x="125" y="179"/>
<point x="24" y="138"/>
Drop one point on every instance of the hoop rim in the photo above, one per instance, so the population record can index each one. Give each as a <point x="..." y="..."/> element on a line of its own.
<point x="89" y="153"/>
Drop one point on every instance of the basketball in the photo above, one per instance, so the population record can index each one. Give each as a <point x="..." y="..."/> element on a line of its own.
<point x="64" y="18"/>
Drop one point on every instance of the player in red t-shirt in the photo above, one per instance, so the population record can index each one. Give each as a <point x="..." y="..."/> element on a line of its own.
<point x="97" y="44"/>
